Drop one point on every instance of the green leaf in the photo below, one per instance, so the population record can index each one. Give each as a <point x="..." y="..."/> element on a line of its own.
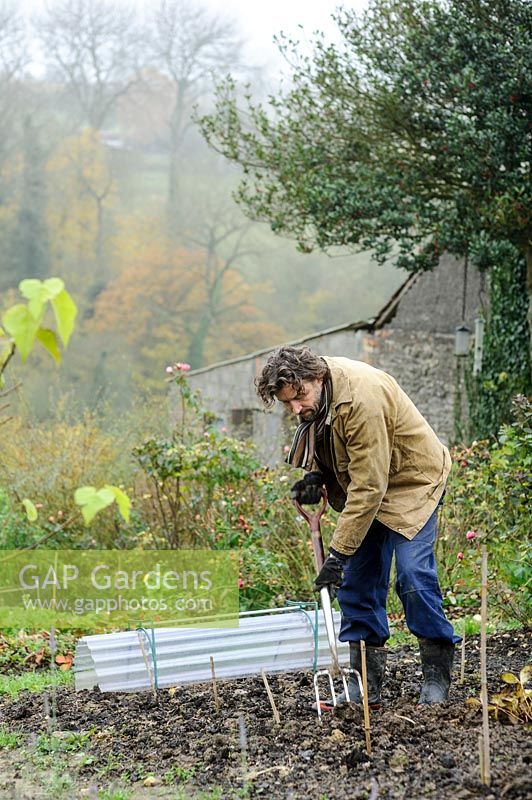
<point x="23" y="327"/>
<point x="54" y="286"/>
<point x="83" y="494"/>
<point x="49" y="340"/>
<point x="122" y="500"/>
<point x="65" y="311"/>
<point x="39" y="292"/>
<point x="92" y="501"/>
<point x="31" y="511"/>
<point x="32" y="287"/>
<point x="509" y="677"/>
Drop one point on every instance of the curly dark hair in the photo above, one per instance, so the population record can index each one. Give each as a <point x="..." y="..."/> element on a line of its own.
<point x="289" y="366"/>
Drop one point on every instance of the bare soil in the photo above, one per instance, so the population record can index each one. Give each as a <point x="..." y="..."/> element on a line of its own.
<point x="417" y="752"/>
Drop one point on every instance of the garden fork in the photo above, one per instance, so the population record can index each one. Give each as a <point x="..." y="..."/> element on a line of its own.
<point x="325" y="600"/>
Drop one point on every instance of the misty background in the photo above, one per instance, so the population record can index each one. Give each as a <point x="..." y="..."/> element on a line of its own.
<point x="106" y="183"/>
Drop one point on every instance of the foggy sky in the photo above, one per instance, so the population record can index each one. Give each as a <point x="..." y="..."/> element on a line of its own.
<point x="259" y="21"/>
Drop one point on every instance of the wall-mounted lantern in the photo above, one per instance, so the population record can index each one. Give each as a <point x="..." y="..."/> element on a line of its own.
<point x="461" y="340"/>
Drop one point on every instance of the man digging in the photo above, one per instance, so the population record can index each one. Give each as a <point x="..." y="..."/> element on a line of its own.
<point x="385" y="470"/>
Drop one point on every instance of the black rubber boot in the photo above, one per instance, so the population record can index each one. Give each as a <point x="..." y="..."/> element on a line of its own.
<point x="437" y="665"/>
<point x="375" y="667"/>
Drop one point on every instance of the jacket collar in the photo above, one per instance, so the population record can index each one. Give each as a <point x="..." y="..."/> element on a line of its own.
<point x="340" y="382"/>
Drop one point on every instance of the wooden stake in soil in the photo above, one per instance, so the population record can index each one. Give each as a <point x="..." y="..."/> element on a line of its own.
<point x="243" y="740"/>
<point x="275" y="713"/>
<point x="214" y="687"/>
<point x="485" y="760"/>
<point x="52" y="643"/>
<point x="462" y="661"/>
<point x="481" y="754"/>
<point x="365" y="699"/>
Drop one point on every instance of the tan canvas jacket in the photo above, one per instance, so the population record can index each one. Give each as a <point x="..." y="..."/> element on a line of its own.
<point x="387" y="458"/>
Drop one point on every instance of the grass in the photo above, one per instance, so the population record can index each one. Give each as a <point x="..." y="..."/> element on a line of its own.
<point x="68" y="741"/>
<point x="9" y="740"/>
<point x="113" y="764"/>
<point x="177" y="775"/>
<point x="59" y="782"/>
<point x="114" y="793"/>
<point x="12" y="685"/>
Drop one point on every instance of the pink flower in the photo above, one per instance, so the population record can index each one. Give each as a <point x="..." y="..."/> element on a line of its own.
<point x="471" y="535"/>
<point x="182" y="366"/>
<point x="286" y="449"/>
<point x="223" y="430"/>
<point x="169" y="370"/>
<point x="241" y="583"/>
<point x="459" y="556"/>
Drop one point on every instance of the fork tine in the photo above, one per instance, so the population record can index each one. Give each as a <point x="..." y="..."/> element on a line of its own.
<point x="317" y="691"/>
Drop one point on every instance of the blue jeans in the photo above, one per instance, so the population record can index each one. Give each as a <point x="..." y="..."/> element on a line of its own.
<point x="362" y="596"/>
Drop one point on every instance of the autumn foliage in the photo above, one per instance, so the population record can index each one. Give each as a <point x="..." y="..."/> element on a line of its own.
<point x="169" y="300"/>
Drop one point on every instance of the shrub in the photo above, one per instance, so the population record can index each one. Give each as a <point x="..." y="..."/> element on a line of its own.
<point x="15" y="529"/>
<point x="183" y="480"/>
<point x="48" y="460"/>
<point x="487" y="503"/>
<point x="276" y="556"/>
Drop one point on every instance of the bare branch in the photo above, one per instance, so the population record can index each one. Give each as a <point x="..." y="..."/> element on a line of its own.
<point x="187" y="44"/>
<point x="3" y="367"/>
<point x="94" y="47"/>
<point x="14" y="53"/>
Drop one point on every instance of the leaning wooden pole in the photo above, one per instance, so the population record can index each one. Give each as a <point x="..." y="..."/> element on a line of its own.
<point x="271" y="698"/>
<point x="462" y="660"/>
<point x="485" y="760"/>
<point x="365" y="700"/>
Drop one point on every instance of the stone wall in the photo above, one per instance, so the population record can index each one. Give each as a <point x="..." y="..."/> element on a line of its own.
<point x="424" y="365"/>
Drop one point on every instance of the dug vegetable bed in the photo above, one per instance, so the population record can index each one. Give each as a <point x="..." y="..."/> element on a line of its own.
<point x="417" y="752"/>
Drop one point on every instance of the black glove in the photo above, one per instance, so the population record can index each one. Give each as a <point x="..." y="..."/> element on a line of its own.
<point x="308" y="491"/>
<point x="331" y="576"/>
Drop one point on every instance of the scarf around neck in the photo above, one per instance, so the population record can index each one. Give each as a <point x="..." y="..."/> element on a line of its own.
<point x="303" y="446"/>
